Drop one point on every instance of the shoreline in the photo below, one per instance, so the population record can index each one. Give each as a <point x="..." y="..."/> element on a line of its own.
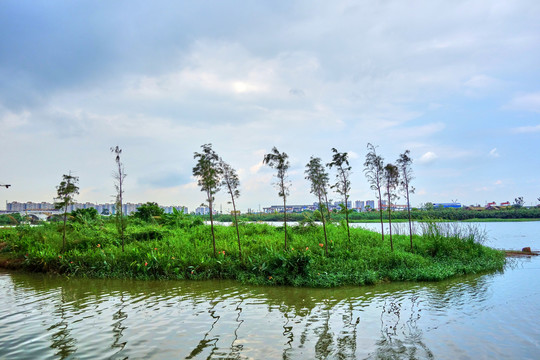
<point x="157" y="252"/>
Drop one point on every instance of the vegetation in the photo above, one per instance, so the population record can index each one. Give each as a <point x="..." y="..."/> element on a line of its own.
<point x="66" y="192"/>
<point x="509" y="214"/>
<point x="119" y="176"/>
<point x="148" y="212"/>
<point x="343" y="185"/>
<point x="179" y="250"/>
<point x="374" y="170"/>
<point x="278" y="161"/>
<point x="208" y="172"/>
<point x="232" y="183"/>
<point x="11" y="219"/>
<point x="318" y="178"/>
<point x="391" y="182"/>
<point x="519" y="202"/>
<point x="406" y="174"/>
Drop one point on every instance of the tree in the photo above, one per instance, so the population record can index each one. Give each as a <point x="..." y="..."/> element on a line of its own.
<point x="519" y="202"/>
<point x="232" y="183"/>
<point x="66" y="192"/>
<point x="318" y="177"/>
<point x="147" y="212"/>
<point x="208" y="174"/>
<point x="404" y="165"/>
<point x="278" y="161"/>
<point x="343" y="185"/>
<point x="374" y="170"/>
<point x="119" y="175"/>
<point x="84" y="216"/>
<point x="391" y="182"/>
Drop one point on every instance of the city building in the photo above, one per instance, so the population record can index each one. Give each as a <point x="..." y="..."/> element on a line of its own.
<point x="453" y="205"/>
<point x="370" y="204"/>
<point x="103" y="209"/>
<point x="359" y="205"/>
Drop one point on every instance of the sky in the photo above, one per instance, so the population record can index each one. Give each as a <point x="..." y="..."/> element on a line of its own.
<point x="455" y="82"/>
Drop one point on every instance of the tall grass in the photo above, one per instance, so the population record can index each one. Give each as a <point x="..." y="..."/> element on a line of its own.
<point x="155" y="251"/>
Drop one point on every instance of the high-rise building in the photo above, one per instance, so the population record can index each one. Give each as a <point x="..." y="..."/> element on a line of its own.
<point x="370" y="204"/>
<point x="359" y="205"/>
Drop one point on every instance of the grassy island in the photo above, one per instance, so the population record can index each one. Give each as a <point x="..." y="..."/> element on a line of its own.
<point x="183" y="250"/>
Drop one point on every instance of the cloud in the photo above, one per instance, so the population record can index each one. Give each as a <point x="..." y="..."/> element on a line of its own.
<point x="255" y="168"/>
<point x="526" y="102"/>
<point x="415" y="132"/>
<point x="352" y="154"/>
<point x="498" y="182"/>
<point x="162" y="80"/>
<point x="428" y="158"/>
<point x="493" y="153"/>
<point x="481" y="85"/>
<point x="526" y="129"/>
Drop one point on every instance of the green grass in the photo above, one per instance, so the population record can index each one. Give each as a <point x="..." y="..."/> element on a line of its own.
<point x="185" y="252"/>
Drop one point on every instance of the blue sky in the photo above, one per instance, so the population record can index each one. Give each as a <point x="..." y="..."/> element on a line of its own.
<point x="457" y="83"/>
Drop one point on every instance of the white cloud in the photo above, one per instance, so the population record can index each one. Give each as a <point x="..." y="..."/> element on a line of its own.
<point x="353" y="154"/>
<point x="428" y="158"/>
<point x="498" y="182"/>
<point x="11" y="120"/>
<point x="479" y="85"/>
<point x="494" y="153"/>
<point x="255" y="168"/>
<point x="526" y="129"/>
<point x="481" y="82"/>
<point x="527" y="102"/>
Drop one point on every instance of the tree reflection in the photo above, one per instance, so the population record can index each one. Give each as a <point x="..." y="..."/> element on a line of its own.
<point x="401" y="339"/>
<point x="236" y="349"/>
<point x="61" y="338"/>
<point x="206" y="341"/>
<point x="302" y="323"/>
<point x="118" y="327"/>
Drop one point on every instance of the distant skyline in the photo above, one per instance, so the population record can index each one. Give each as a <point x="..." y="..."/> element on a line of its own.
<point x="457" y="83"/>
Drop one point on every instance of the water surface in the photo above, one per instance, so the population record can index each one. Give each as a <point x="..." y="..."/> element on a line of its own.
<point x="487" y="316"/>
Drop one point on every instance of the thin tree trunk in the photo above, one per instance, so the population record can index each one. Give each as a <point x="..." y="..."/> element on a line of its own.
<point x="410" y="220"/>
<point x="285" y="220"/>
<point x="380" y="212"/>
<point x="212" y="225"/>
<point x="64" y="232"/>
<point x="347" y="219"/>
<point x="327" y="206"/>
<point x="121" y="205"/>
<point x="390" y="219"/>
<point x="237" y="232"/>
<point x="324" y="228"/>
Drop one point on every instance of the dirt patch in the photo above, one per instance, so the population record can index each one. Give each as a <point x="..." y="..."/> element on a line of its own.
<point x="8" y="262"/>
<point x="517" y="253"/>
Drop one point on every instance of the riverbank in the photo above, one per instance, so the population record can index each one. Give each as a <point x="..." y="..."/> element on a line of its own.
<point x="442" y="220"/>
<point x="169" y="252"/>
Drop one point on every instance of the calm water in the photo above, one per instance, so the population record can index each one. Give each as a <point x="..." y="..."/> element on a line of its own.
<point x="491" y="316"/>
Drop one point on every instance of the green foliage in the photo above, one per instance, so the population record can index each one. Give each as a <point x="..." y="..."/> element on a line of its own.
<point x="208" y="174"/>
<point x="169" y="252"/>
<point x="148" y="212"/>
<point x="280" y="162"/>
<point x="11" y="219"/>
<point x="85" y="216"/>
<point x="66" y="191"/>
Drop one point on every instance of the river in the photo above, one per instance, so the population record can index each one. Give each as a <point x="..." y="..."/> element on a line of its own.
<point x="489" y="316"/>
